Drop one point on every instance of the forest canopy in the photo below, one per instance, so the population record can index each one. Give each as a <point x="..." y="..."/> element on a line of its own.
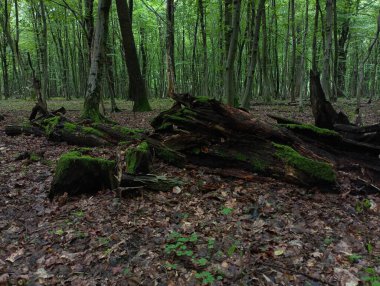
<point x="241" y="50"/>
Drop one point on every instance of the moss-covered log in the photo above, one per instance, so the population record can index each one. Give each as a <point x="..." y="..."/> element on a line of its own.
<point x="60" y="129"/>
<point x="215" y="135"/>
<point x="77" y="173"/>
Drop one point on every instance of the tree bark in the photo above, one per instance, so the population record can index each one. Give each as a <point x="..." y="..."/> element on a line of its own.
<point x="326" y="78"/>
<point x="253" y="56"/>
<point x="170" y="72"/>
<point x="93" y="95"/>
<point x="137" y="88"/>
<point x="229" y="86"/>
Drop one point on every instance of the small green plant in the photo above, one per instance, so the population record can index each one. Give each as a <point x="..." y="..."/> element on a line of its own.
<point x="59" y="231"/>
<point x="354" y="258"/>
<point x="179" y="245"/>
<point x="328" y="240"/>
<point x="226" y="211"/>
<point x="171" y="266"/>
<point x="126" y="271"/>
<point x="201" y="261"/>
<point x="206" y="277"/>
<point x="211" y="243"/>
<point x="371" y="277"/>
<point x="363" y="205"/>
<point x="369" y="247"/>
<point x="103" y="240"/>
<point x="231" y="250"/>
<point x="78" y="214"/>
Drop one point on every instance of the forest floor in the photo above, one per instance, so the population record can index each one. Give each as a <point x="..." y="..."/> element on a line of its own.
<point x="213" y="230"/>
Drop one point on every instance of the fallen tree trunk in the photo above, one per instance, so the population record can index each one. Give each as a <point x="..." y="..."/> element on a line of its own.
<point x="60" y="129"/>
<point x="202" y="131"/>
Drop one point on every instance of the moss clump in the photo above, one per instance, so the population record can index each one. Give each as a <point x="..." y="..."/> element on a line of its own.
<point x="318" y="170"/>
<point x="311" y="128"/>
<point x="49" y="124"/>
<point x="70" y="127"/>
<point x="93" y="131"/>
<point x="76" y="173"/>
<point x="138" y="159"/>
<point x="202" y="99"/>
<point x="35" y="157"/>
<point x="71" y="157"/>
<point x="128" y="132"/>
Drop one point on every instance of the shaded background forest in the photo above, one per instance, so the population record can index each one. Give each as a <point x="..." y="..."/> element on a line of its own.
<point x="241" y="50"/>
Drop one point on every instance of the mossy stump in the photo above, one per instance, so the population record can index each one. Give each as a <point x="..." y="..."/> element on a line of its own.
<point x="138" y="159"/>
<point x="78" y="174"/>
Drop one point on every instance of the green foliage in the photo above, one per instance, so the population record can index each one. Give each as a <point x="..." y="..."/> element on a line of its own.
<point x="226" y="211"/>
<point x="354" y="258"/>
<point x="362" y="206"/>
<point x="372" y="277"/>
<point x="206" y="277"/>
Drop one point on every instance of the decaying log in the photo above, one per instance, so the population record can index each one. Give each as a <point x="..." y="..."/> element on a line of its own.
<point x="77" y="173"/>
<point x="60" y="129"/>
<point x="204" y="132"/>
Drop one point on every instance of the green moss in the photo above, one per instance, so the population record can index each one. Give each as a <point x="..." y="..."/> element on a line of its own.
<point x="93" y="131"/>
<point x="34" y="157"/>
<point x="167" y="155"/>
<point x="49" y="124"/>
<point x="128" y="132"/>
<point x="312" y="128"/>
<point x="256" y="164"/>
<point x="67" y="159"/>
<point x="70" y="127"/>
<point x="143" y="147"/>
<point x="318" y="170"/>
<point x="202" y="99"/>
<point x="187" y="111"/>
<point x="137" y="157"/>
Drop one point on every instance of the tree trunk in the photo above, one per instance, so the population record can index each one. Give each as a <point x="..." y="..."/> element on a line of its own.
<point x="253" y="56"/>
<point x="170" y="72"/>
<point x="229" y="86"/>
<point x="137" y="88"/>
<point x="93" y="95"/>
<point x="326" y="79"/>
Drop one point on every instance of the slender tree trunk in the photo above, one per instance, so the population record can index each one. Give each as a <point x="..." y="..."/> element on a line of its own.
<point x="303" y="64"/>
<point x="229" y="86"/>
<point x="336" y="52"/>
<point x="292" y="88"/>
<point x="89" y="24"/>
<point x="4" y="66"/>
<point x="342" y="57"/>
<point x="315" y="32"/>
<point x="253" y="56"/>
<point x="137" y="88"/>
<point x="326" y="84"/>
<point x="93" y="93"/>
<point x="170" y="47"/>
<point x="204" y="42"/>
<point x="44" y="53"/>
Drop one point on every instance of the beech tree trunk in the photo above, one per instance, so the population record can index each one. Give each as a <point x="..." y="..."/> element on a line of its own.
<point x="93" y="95"/>
<point x="137" y="88"/>
<point x="229" y="85"/>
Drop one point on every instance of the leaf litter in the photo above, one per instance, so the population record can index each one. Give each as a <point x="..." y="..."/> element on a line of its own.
<point x="220" y="231"/>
